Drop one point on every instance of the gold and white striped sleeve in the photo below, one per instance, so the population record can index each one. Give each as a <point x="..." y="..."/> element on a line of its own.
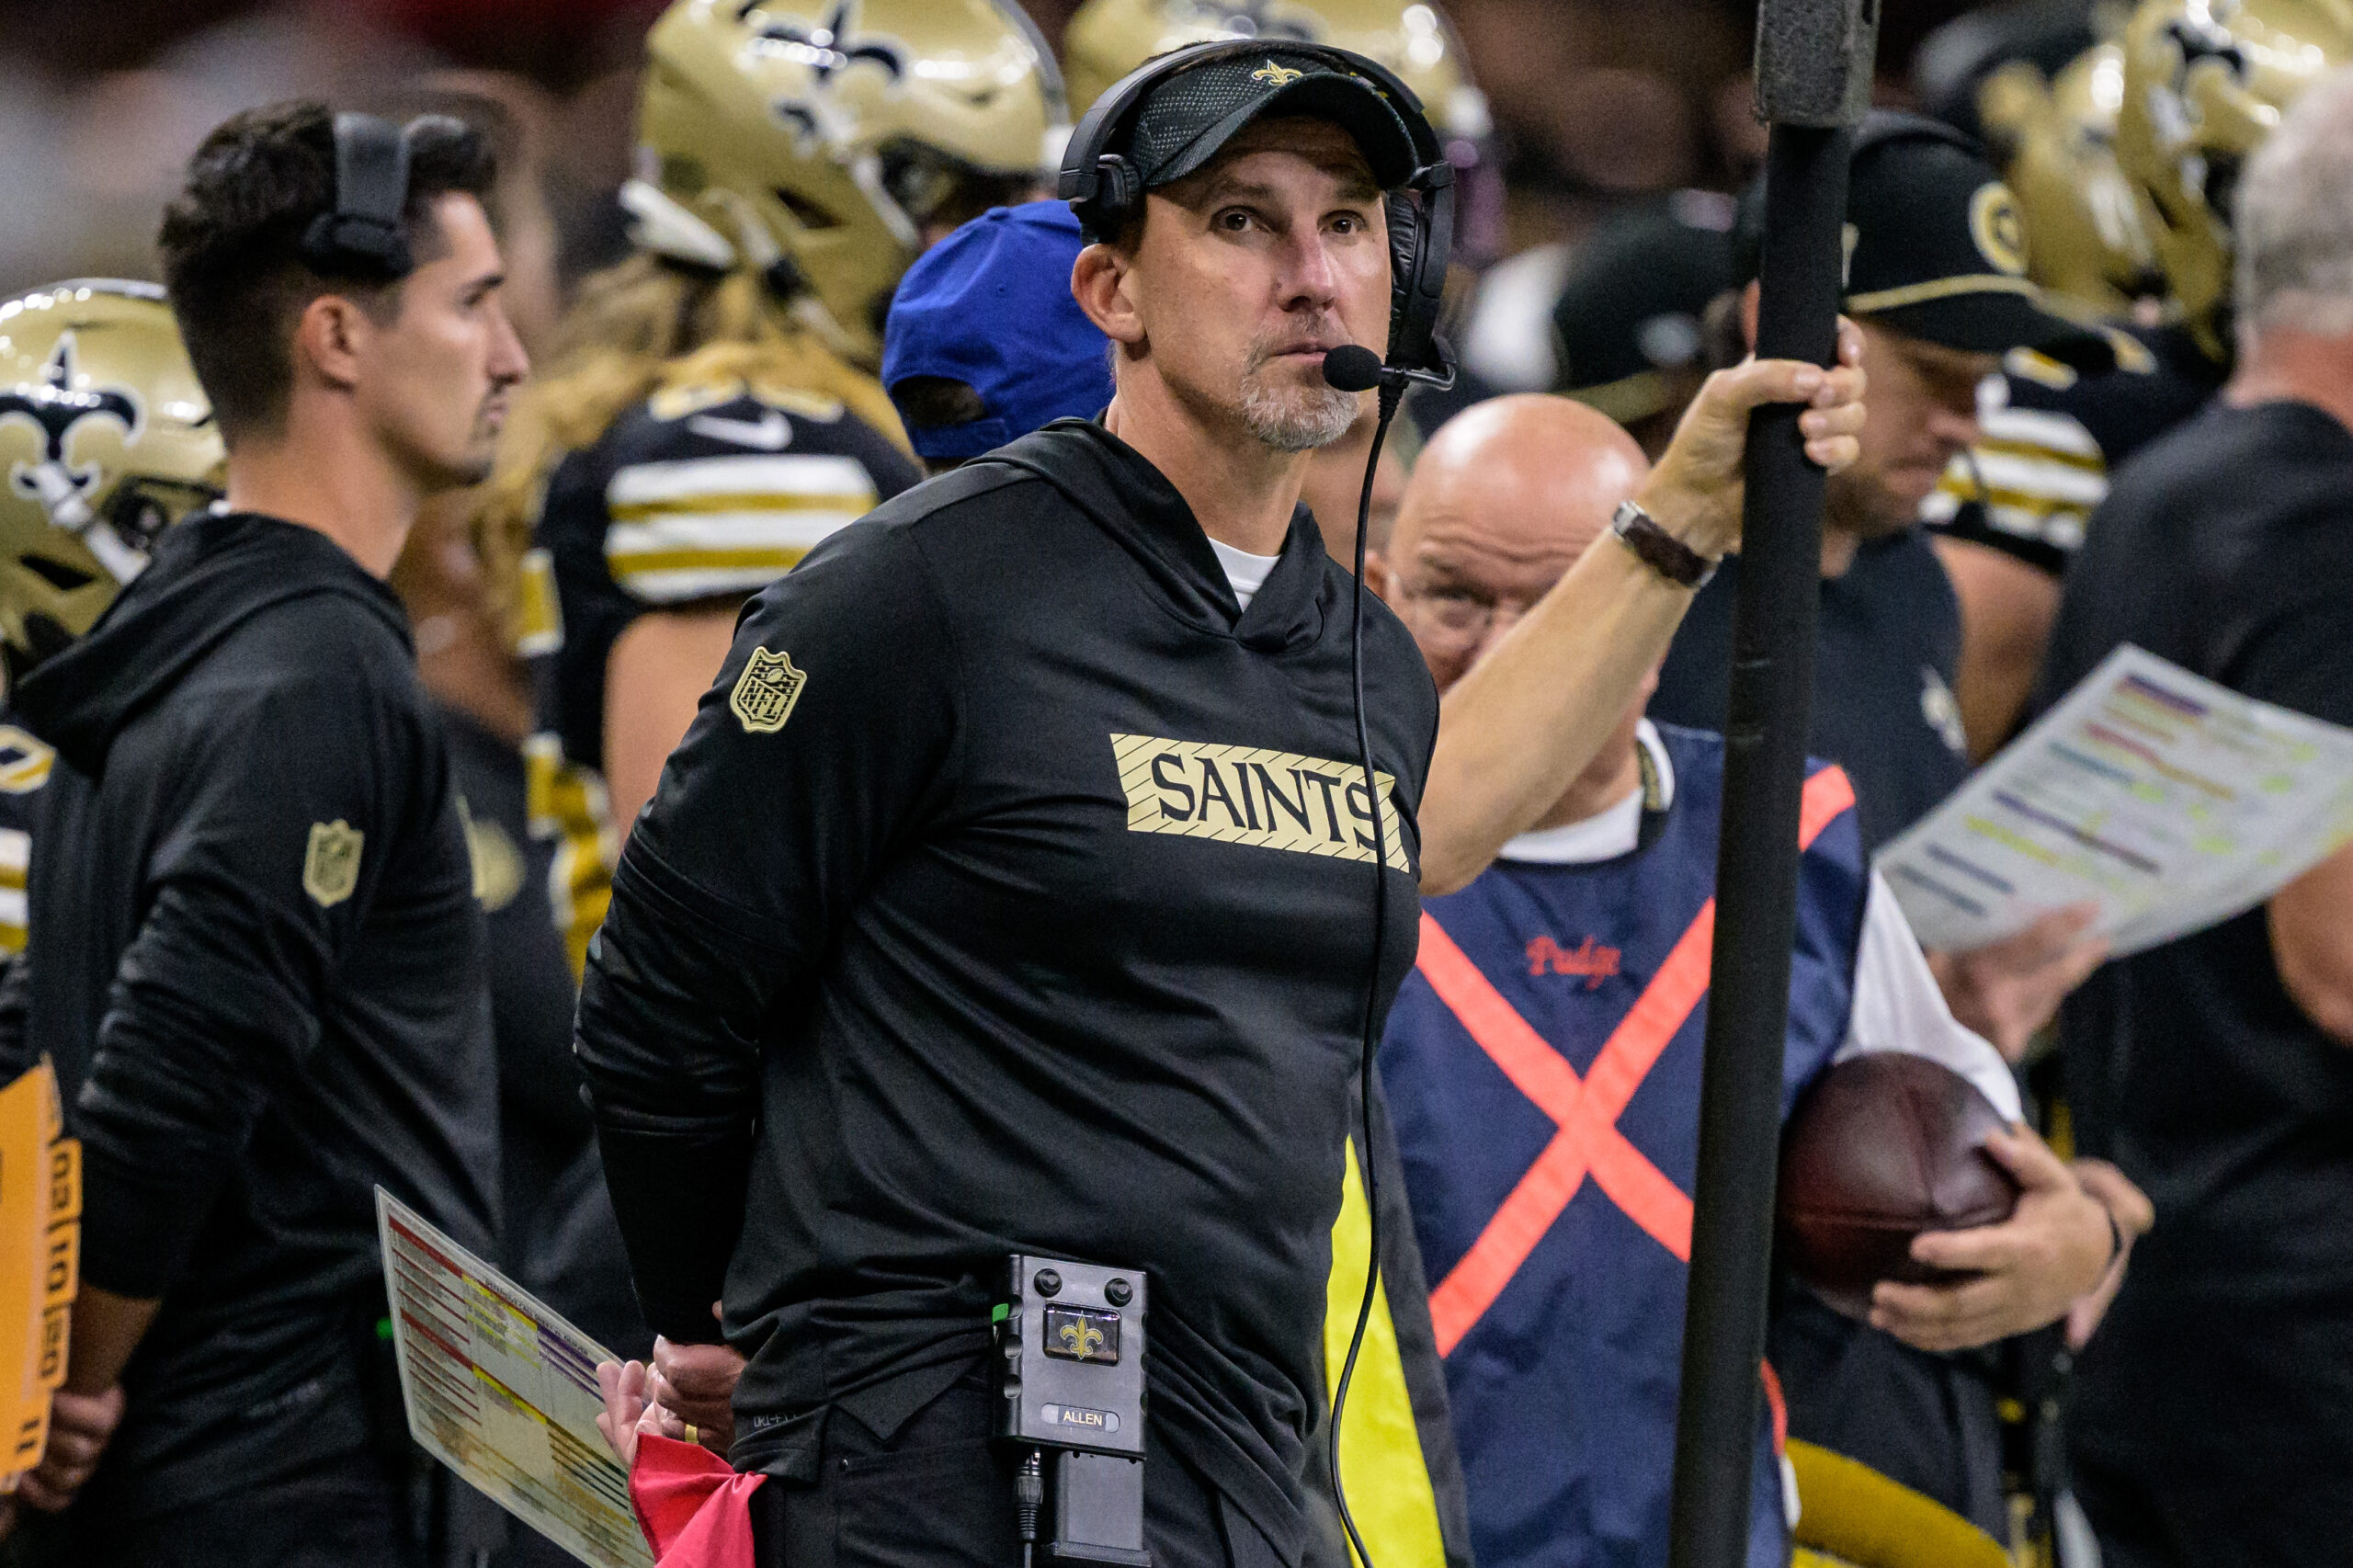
<point x="15" y="854"/>
<point x="697" y="528"/>
<point x="2039" y="473"/>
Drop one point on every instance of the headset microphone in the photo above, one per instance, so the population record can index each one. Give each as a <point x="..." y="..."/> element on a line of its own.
<point x="1352" y="368"/>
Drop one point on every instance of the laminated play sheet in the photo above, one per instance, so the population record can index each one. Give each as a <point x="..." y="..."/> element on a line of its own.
<point x="2171" y="803"/>
<point x="503" y="1391"/>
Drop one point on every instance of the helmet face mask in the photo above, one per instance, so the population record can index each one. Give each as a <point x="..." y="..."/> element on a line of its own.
<point x="2204" y="82"/>
<point x="143" y="506"/>
<point x="937" y="192"/>
<point x="843" y="135"/>
<point x="106" y="439"/>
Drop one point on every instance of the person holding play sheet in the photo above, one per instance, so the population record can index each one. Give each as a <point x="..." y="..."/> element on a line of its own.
<point x="2213" y="1420"/>
<point x="256" y="954"/>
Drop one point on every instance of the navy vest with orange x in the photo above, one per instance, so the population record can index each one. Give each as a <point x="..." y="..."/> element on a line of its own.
<point x="1542" y="1068"/>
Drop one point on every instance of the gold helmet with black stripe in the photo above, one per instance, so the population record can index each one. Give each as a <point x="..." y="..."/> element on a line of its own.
<point x="2204" y="82"/>
<point x="1107" y="38"/>
<point x="2089" y="244"/>
<point x="105" y="438"/>
<point x="832" y="140"/>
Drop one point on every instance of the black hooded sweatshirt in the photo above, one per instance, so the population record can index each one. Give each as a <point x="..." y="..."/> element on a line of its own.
<point x="257" y="962"/>
<point x="1011" y="892"/>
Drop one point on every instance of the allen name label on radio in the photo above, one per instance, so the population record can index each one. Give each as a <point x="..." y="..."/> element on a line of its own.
<point x="1084" y="1420"/>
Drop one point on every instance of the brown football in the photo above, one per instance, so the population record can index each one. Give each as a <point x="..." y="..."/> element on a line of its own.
<point x="1881" y="1148"/>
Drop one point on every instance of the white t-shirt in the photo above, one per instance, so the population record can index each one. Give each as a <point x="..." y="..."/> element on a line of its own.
<point x="1246" y="572"/>
<point x="1610" y="831"/>
<point x="1897" y="1005"/>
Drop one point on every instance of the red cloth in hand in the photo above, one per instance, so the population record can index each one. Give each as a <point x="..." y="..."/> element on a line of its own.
<point x="695" y="1510"/>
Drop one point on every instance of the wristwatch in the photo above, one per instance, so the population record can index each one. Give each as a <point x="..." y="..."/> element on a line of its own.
<point x="1659" y="550"/>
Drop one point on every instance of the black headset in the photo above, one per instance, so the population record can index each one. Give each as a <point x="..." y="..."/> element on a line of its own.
<point x="1107" y="192"/>
<point x="362" y="236"/>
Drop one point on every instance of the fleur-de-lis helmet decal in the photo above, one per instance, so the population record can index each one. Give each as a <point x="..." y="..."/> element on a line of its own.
<point x="826" y="142"/>
<point x="55" y="406"/>
<point x="828" y="46"/>
<point x="104" y="438"/>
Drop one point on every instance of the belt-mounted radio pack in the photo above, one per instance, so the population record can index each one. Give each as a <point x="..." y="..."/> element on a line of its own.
<point x="1069" y="1378"/>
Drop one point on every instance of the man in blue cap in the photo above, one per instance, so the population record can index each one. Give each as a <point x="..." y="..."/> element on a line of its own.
<point x="984" y="343"/>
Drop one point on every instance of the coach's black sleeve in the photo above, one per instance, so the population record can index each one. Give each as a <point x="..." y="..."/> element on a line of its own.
<point x="829" y="737"/>
<point x="284" y="824"/>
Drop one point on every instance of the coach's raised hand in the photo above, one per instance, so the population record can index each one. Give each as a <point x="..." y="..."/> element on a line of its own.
<point x="1695" y="491"/>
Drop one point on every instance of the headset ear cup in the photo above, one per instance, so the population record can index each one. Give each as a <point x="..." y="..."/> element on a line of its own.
<point x="1421" y="236"/>
<point x="1404" y="247"/>
<point x="1126" y="191"/>
<point x="361" y="235"/>
<point x="1113" y="203"/>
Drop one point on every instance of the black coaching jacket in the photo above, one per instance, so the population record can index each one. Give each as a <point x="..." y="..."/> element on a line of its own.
<point x="256" y="960"/>
<point x="1012" y="890"/>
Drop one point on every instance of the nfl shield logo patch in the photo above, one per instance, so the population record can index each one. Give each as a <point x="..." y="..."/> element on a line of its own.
<point x="766" y="691"/>
<point x="331" y="868"/>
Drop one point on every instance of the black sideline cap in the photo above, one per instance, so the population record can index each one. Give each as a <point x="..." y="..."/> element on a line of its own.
<point x="1189" y="116"/>
<point x="1935" y="248"/>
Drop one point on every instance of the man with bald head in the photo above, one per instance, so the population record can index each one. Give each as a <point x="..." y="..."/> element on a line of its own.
<point x="1542" y="1062"/>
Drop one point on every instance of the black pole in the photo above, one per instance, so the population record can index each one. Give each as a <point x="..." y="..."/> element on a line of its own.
<point x="1814" y="63"/>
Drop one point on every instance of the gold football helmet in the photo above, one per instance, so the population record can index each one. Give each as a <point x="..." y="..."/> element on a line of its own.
<point x="1107" y="38"/>
<point x="107" y="437"/>
<point x="2204" y="82"/>
<point x="2086" y="242"/>
<point x="839" y="136"/>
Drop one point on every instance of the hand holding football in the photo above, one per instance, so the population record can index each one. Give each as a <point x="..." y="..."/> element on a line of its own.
<point x="1883" y="1147"/>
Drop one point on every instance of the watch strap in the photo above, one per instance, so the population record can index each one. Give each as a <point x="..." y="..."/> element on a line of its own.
<point x="1659" y="550"/>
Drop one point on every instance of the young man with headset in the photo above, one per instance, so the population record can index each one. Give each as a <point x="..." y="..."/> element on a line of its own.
<point x="256" y="956"/>
<point x="1015" y="887"/>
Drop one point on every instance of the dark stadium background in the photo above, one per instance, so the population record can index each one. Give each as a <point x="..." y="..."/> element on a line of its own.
<point x="1595" y="101"/>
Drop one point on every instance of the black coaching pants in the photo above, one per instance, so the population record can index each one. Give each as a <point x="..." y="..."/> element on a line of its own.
<point x="344" y="1512"/>
<point x="940" y="1494"/>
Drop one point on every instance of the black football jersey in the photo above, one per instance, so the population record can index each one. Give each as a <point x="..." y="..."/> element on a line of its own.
<point x="699" y="495"/>
<point x="2050" y="438"/>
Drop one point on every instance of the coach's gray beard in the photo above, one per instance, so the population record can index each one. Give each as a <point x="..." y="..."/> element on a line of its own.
<point x="1295" y="419"/>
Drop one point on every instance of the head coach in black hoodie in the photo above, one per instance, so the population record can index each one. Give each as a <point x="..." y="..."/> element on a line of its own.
<point x="1012" y="890"/>
<point x="259" y="965"/>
